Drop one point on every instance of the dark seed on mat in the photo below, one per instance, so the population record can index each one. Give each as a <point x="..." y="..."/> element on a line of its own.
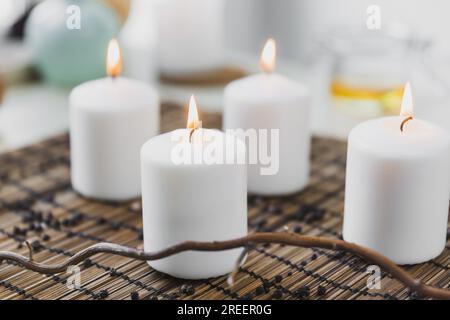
<point x="277" y="294"/>
<point x="302" y="292"/>
<point x="19" y="232"/>
<point x="45" y="237"/>
<point x="78" y="217"/>
<point x="115" y="225"/>
<point x="87" y="263"/>
<point x="321" y="290"/>
<point x="297" y="229"/>
<point x="187" y="289"/>
<point x="260" y="290"/>
<point x="260" y="222"/>
<point x="278" y="278"/>
<point x="134" y="295"/>
<point x="36" y="245"/>
<point x="103" y="294"/>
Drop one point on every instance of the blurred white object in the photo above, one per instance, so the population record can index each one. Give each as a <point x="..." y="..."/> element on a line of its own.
<point x="32" y="113"/>
<point x="138" y="42"/>
<point x="191" y="35"/>
<point x="15" y="58"/>
<point x="10" y="11"/>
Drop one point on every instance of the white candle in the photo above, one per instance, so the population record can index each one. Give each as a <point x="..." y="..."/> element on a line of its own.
<point x="110" y="119"/>
<point x="397" y="187"/>
<point x="203" y="201"/>
<point x="191" y="36"/>
<point x="271" y="101"/>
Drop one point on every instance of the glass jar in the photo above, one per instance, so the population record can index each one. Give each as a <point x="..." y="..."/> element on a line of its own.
<point x="369" y="69"/>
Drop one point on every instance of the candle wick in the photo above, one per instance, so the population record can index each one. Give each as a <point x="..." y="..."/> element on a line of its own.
<point x="190" y="134"/>
<point x="405" y="121"/>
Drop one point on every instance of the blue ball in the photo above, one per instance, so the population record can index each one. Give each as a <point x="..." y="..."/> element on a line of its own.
<point x="63" y="53"/>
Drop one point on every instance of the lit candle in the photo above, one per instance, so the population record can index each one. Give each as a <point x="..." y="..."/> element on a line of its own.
<point x="397" y="186"/>
<point x="110" y="119"/>
<point x="271" y="101"/>
<point x="191" y="36"/>
<point x="195" y="197"/>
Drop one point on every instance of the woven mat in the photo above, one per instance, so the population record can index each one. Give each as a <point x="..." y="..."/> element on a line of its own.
<point x="35" y="182"/>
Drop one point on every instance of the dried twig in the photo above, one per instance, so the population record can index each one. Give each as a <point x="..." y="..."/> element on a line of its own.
<point x="240" y="261"/>
<point x="30" y="251"/>
<point x="285" y="238"/>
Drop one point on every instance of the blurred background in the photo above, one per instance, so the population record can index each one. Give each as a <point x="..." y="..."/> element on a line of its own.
<point x="354" y="55"/>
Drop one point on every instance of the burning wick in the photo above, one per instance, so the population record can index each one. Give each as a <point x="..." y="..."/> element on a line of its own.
<point x="193" y="122"/>
<point x="405" y="121"/>
<point x="406" y="109"/>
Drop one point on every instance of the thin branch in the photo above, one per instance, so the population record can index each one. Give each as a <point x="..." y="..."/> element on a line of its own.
<point x="240" y="261"/>
<point x="285" y="238"/>
<point x="30" y="251"/>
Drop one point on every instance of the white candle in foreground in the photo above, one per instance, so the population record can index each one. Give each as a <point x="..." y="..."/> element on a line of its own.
<point x="271" y="101"/>
<point x="110" y="119"/>
<point x="198" y="200"/>
<point x="397" y="186"/>
<point x="191" y="36"/>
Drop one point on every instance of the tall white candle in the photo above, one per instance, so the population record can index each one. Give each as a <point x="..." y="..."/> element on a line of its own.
<point x="271" y="101"/>
<point x="110" y="119"/>
<point x="397" y="186"/>
<point x="191" y="35"/>
<point x="199" y="200"/>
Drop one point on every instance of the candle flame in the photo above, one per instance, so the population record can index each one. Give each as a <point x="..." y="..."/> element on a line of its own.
<point x="406" y="109"/>
<point x="113" y="59"/>
<point x="268" y="55"/>
<point x="193" y="121"/>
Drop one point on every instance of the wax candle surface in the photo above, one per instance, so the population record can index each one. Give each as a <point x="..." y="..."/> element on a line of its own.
<point x="272" y="101"/>
<point x="110" y="119"/>
<point x="204" y="202"/>
<point x="191" y="35"/>
<point x="397" y="188"/>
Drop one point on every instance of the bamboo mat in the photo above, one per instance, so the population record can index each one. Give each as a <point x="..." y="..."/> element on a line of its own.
<point x="38" y="204"/>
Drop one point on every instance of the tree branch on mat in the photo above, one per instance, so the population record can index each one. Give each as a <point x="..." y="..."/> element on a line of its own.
<point x="248" y="242"/>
